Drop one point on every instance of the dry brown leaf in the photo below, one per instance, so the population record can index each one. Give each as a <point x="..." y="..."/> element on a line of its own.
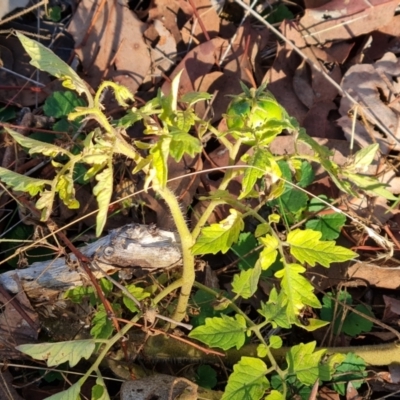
<point x="113" y="48"/>
<point x="375" y="87"/>
<point x="381" y="277"/>
<point x="280" y="75"/>
<point x="195" y="64"/>
<point x="192" y="32"/>
<point x="343" y="19"/>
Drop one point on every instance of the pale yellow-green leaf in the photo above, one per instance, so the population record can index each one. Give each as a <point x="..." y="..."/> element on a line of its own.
<point x="160" y="154"/>
<point x="175" y="90"/>
<point x="36" y="146"/>
<point x="298" y="291"/>
<point x="66" y="191"/>
<point x="306" y="247"/>
<point x="269" y="252"/>
<point x="45" y="60"/>
<point x="23" y="183"/>
<point x="72" y="393"/>
<point x="246" y="282"/>
<point x="45" y="203"/>
<point x="364" y="157"/>
<point x="60" y="352"/>
<point x="103" y="191"/>
<point x="220" y="236"/>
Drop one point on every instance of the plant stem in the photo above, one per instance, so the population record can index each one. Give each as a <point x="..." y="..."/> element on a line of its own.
<point x="188" y="274"/>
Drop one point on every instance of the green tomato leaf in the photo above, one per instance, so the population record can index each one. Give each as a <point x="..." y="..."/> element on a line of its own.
<point x="36" y="146"/>
<point x="274" y="311"/>
<point x="270" y="251"/>
<point x="247" y="381"/>
<point x="223" y="332"/>
<point x="138" y="293"/>
<point x="306" y="246"/>
<point x="220" y="236"/>
<point x="298" y="291"/>
<point x="263" y="162"/>
<point x="72" y="393"/>
<point x="103" y="191"/>
<point x="245" y="284"/>
<point x="304" y="363"/>
<point x="182" y="143"/>
<point x="58" y="353"/>
<point x="23" y="183"/>
<point x="45" y="60"/>
<point x="102" y="328"/>
<point x="60" y="104"/>
<point x="351" y="370"/>
<point x="329" y="225"/>
<point x="328" y="366"/>
<point x="353" y="324"/>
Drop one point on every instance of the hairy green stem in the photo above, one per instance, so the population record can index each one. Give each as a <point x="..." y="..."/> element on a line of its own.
<point x="188" y="273"/>
<point x="162" y="348"/>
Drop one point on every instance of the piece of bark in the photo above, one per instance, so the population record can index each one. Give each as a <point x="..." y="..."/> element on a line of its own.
<point x="131" y="245"/>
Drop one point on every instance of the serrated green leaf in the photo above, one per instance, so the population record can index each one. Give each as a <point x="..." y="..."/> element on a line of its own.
<point x="130" y="118"/>
<point x="102" y="327"/>
<point x="72" y="393"/>
<point x="269" y="252"/>
<point x="23" y="183"/>
<point x="304" y="362"/>
<point x="223" y="332"/>
<point x="138" y="293"/>
<point x="219" y="237"/>
<point x="45" y="60"/>
<point x="36" y="146"/>
<point x="328" y="366"/>
<point x="353" y="324"/>
<point x="263" y="162"/>
<point x="246" y="282"/>
<point x="351" y="370"/>
<point x="58" y="353"/>
<point x="103" y="191"/>
<point x="306" y="246"/>
<point x="329" y="225"/>
<point x="60" y="104"/>
<point x="183" y="143"/>
<point x="297" y="290"/>
<point x="247" y="381"/>
<point x="274" y="311"/>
